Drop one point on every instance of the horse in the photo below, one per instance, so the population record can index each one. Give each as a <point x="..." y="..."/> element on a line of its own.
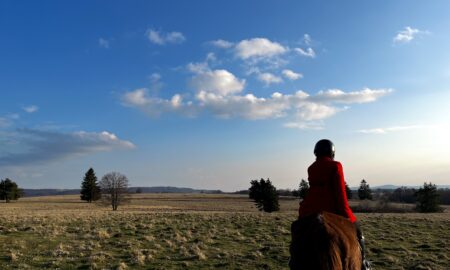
<point x="324" y="241"/>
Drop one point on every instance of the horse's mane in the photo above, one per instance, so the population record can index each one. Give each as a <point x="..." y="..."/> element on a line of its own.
<point x="325" y="241"/>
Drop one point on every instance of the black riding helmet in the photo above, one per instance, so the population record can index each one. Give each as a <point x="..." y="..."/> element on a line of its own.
<point x="324" y="148"/>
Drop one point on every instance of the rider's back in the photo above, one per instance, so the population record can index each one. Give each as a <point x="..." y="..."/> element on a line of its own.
<point x="327" y="190"/>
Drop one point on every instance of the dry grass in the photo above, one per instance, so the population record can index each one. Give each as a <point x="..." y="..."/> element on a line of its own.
<point x="179" y="231"/>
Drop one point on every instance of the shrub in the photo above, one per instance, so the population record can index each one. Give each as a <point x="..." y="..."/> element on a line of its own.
<point x="9" y="190"/>
<point x="265" y="195"/>
<point x="428" y="199"/>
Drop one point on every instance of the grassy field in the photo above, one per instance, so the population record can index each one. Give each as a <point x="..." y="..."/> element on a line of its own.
<point x="181" y="231"/>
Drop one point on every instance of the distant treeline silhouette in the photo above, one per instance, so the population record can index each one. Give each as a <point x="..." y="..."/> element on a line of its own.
<point x="51" y="192"/>
<point x="398" y="195"/>
<point x="407" y="195"/>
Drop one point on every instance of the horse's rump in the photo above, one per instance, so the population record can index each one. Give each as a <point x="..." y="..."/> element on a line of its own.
<point x="324" y="241"/>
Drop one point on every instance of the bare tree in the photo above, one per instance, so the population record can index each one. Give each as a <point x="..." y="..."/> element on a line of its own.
<point x="114" y="188"/>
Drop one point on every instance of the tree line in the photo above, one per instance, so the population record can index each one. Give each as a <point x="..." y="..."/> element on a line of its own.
<point x="407" y="195"/>
<point x="112" y="189"/>
<point x="427" y="198"/>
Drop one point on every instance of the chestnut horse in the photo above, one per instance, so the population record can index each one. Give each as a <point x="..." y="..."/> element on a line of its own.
<point x="324" y="241"/>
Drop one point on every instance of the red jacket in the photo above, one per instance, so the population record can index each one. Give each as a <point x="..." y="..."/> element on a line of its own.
<point x="327" y="190"/>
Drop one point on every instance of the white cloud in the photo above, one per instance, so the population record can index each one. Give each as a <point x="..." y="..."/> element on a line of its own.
<point x="155" y="37"/>
<point x="136" y="98"/>
<point x="291" y="75"/>
<point x="176" y="101"/>
<point x="198" y="67"/>
<point x="309" y="52"/>
<point x="259" y="48"/>
<point x="223" y="44"/>
<point x="269" y="78"/>
<point x="211" y="57"/>
<point x="303" y="109"/>
<point x="264" y="54"/>
<point x="307" y="39"/>
<point x="392" y="129"/>
<point x="362" y="96"/>
<point x="161" y="38"/>
<point x="247" y="106"/>
<point x="155" y="106"/>
<point x="220" y="93"/>
<point x="99" y="141"/>
<point x="103" y="43"/>
<point x="278" y="105"/>
<point x="314" y="125"/>
<point x="315" y="111"/>
<point x="31" y="108"/>
<point x="43" y="145"/>
<point x="175" y="37"/>
<point x="407" y="35"/>
<point x="219" y="81"/>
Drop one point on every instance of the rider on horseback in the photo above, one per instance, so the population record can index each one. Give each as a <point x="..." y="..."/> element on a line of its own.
<point x="327" y="190"/>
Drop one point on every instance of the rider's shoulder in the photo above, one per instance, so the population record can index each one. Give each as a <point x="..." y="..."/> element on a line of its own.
<point x="337" y="164"/>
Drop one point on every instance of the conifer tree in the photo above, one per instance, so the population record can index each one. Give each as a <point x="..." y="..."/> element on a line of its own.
<point x="428" y="199"/>
<point x="364" y="191"/>
<point x="90" y="190"/>
<point x="303" y="189"/>
<point x="265" y="195"/>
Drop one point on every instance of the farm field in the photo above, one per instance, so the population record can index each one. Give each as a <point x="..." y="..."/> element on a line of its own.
<point x="194" y="231"/>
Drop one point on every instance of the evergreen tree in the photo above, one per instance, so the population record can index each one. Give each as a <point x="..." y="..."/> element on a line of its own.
<point x="9" y="190"/>
<point x="265" y="195"/>
<point x="303" y="189"/>
<point x="348" y="191"/>
<point x="364" y="191"/>
<point x="427" y="199"/>
<point x="90" y="190"/>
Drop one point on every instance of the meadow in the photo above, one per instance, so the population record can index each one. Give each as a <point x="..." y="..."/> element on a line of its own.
<point x="194" y="231"/>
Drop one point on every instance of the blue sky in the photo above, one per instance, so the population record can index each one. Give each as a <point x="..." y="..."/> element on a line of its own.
<point x="212" y="94"/>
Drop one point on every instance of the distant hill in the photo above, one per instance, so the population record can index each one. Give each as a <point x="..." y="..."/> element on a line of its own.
<point x="52" y="192"/>
<point x="49" y="192"/>
<point x="387" y="187"/>
<point x="172" y="190"/>
<point x="168" y="189"/>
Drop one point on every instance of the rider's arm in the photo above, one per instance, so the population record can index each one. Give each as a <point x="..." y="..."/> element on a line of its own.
<point x="341" y="201"/>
